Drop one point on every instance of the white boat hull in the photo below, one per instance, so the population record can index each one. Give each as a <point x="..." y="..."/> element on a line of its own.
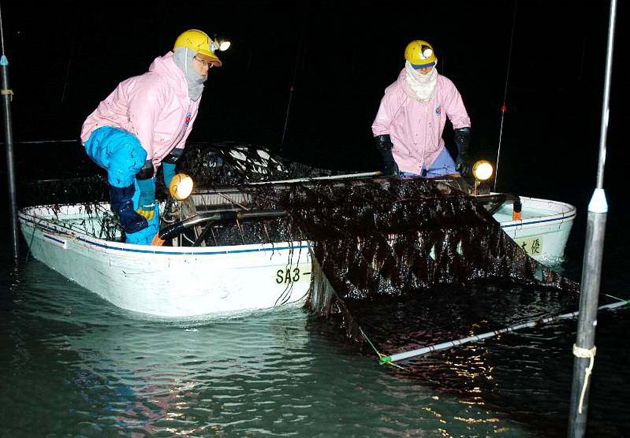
<point x="544" y="230"/>
<point x="179" y="282"/>
<point x="171" y="282"/>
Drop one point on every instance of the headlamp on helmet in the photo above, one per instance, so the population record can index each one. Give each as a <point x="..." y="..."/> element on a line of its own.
<point x="220" y="45"/>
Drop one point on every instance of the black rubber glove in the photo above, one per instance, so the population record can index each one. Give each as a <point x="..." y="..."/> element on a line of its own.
<point x="464" y="162"/>
<point x="384" y="145"/>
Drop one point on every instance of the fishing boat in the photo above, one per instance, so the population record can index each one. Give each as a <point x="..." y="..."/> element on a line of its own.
<point x="544" y="227"/>
<point x="190" y="279"/>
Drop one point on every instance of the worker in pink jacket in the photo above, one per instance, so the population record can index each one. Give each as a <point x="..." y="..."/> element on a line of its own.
<point x="411" y="117"/>
<point x="143" y="124"/>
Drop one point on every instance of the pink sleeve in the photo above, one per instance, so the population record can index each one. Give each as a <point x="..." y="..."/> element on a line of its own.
<point x="454" y="107"/>
<point x="143" y="113"/>
<point x="387" y="111"/>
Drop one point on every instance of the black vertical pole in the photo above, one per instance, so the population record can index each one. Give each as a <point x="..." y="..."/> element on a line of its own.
<point x="8" y="141"/>
<point x="7" y="94"/>
<point x="505" y="91"/>
<point x="584" y="348"/>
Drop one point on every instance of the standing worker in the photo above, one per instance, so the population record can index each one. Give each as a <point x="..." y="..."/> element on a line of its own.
<point x="411" y="117"/>
<point x="144" y="123"/>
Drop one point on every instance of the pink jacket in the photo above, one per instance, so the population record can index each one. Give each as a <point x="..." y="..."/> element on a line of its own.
<point x="416" y="128"/>
<point x="155" y="107"/>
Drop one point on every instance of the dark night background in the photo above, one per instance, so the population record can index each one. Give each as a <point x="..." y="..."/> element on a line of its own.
<point x="65" y="57"/>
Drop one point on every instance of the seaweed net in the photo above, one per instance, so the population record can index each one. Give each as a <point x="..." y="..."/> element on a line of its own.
<point x="383" y="242"/>
<point x="235" y="164"/>
<point x="212" y="165"/>
<point x="387" y="253"/>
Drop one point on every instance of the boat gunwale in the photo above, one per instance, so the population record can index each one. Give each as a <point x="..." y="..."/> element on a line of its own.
<point x="44" y="225"/>
<point x="561" y="217"/>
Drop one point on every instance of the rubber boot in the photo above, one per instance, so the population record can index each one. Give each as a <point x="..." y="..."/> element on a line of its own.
<point x="122" y="204"/>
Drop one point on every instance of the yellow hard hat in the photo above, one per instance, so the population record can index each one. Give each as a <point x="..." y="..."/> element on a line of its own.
<point x="199" y="42"/>
<point x="420" y="54"/>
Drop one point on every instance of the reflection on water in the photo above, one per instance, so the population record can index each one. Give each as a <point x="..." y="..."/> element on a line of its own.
<point x="74" y="365"/>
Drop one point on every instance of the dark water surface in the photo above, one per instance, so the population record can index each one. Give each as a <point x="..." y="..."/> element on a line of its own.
<point x="75" y="365"/>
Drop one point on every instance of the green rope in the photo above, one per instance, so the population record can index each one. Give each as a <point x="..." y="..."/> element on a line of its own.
<point x="382" y="359"/>
<point x="378" y="353"/>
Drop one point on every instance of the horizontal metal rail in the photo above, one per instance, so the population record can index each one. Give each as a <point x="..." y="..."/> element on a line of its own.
<point x="217" y="216"/>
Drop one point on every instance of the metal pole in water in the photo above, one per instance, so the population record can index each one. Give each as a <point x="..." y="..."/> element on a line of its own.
<point x="7" y="94"/>
<point x="584" y="347"/>
<point x="504" y="106"/>
<point x="298" y="55"/>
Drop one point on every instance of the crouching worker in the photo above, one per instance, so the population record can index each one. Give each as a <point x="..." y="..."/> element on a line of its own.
<point x="143" y="124"/>
<point x="411" y="118"/>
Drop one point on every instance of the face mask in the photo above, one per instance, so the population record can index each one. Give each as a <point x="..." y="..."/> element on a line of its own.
<point x="183" y="58"/>
<point x="422" y="85"/>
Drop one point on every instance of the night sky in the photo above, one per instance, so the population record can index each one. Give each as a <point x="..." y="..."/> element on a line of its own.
<point x="65" y="57"/>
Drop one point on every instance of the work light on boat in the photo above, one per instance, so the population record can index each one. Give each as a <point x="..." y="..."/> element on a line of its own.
<point x="181" y="186"/>
<point x="482" y="170"/>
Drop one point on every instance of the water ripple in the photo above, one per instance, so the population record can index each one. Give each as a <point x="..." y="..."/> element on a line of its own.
<point x="73" y="365"/>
